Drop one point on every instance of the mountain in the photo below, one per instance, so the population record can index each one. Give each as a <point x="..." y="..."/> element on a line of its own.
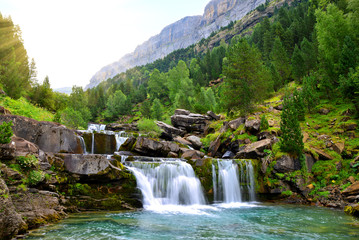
<point x="181" y="34"/>
<point x="66" y="90"/>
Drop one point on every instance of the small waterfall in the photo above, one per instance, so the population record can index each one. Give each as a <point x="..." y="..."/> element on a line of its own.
<point x="93" y="143"/>
<point x="121" y="138"/>
<point x="230" y="186"/>
<point x="167" y="183"/>
<point x="96" y="127"/>
<point x="83" y="145"/>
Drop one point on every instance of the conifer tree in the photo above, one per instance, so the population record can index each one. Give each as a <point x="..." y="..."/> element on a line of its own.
<point x="298" y="64"/>
<point x="291" y="140"/>
<point x="157" y="110"/>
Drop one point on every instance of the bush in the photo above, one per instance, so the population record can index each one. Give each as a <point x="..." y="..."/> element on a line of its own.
<point x="35" y="177"/>
<point x="264" y="123"/>
<point x="149" y="127"/>
<point x="5" y="132"/>
<point x="27" y="162"/>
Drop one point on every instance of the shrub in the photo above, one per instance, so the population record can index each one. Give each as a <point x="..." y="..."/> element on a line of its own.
<point x="149" y="127"/>
<point x="5" y="132"/>
<point x="35" y="177"/>
<point x="264" y="123"/>
<point x="27" y="162"/>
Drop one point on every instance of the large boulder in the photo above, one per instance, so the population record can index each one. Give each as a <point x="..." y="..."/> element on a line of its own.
<point x="150" y="147"/>
<point x="352" y="189"/>
<point x="195" y="142"/>
<point x="234" y="124"/>
<point x="49" y="136"/>
<point x="255" y="150"/>
<point x="85" y="164"/>
<point x="10" y="221"/>
<point x="189" y="122"/>
<point x="24" y="147"/>
<point x="287" y="164"/>
<point x="121" y="127"/>
<point x="172" y="131"/>
<point x="253" y="126"/>
<point x="192" y="155"/>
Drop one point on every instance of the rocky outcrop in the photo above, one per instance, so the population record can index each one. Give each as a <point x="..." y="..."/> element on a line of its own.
<point x="121" y="127"/>
<point x="190" y="122"/>
<point x="10" y="220"/>
<point x="85" y="164"/>
<point x="255" y="150"/>
<point x="181" y="34"/>
<point x="48" y="136"/>
<point x="103" y="143"/>
<point x="170" y="130"/>
<point x="287" y="164"/>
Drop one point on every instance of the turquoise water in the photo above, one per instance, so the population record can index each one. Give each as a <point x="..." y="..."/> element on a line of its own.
<point x="238" y="221"/>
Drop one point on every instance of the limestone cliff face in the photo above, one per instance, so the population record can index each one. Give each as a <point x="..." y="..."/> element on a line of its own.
<point x="181" y="34"/>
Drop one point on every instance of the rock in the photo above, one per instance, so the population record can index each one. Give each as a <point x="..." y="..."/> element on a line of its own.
<point x="171" y="146"/>
<point x="170" y="129"/>
<point x="324" y="111"/>
<point x="286" y="164"/>
<point x="351" y="127"/>
<point x="352" y="210"/>
<point x="24" y="147"/>
<point x="234" y="124"/>
<point x="149" y="147"/>
<point x="104" y="143"/>
<point x="195" y="142"/>
<point x="322" y="155"/>
<point x="255" y="150"/>
<point x="305" y="137"/>
<point x="182" y="112"/>
<point x="309" y="161"/>
<point x="39" y="207"/>
<point x="351" y="179"/>
<point x="228" y="155"/>
<point x="264" y="135"/>
<point x="182" y="141"/>
<point x="85" y="164"/>
<point x="4" y="111"/>
<point x="352" y="189"/>
<point x="7" y="151"/>
<point x="121" y="127"/>
<point x="213" y="115"/>
<point x="190" y="122"/>
<point x="214" y="146"/>
<point x="253" y="126"/>
<point x="10" y="221"/>
<point x="279" y="107"/>
<point x="11" y="176"/>
<point x="172" y="155"/>
<point x="192" y="154"/>
<point x="48" y="136"/>
<point x="128" y="145"/>
<point x="338" y="147"/>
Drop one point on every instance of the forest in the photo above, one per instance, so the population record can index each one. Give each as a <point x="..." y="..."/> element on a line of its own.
<point x="314" y="43"/>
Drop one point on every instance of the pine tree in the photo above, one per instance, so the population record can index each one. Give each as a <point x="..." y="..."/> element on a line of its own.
<point x="298" y="64"/>
<point x="157" y="110"/>
<point x="310" y="92"/>
<point x="280" y="60"/>
<point x="291" y="140"/>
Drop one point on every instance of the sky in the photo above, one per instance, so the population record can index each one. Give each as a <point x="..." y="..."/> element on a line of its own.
<point x="70" y="40"/>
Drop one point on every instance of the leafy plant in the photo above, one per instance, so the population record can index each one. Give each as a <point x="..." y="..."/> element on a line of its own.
<point x="149" y="127"/>
<point x="264" y="123"/>
<point x="35" y="177"/>
<point x="6" y="132"/>
<point x="27" y="162"/>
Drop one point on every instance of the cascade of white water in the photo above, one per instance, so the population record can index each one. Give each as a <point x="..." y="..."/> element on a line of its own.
<point x="83" y="145"/>
<point x="121" y="138"/>
<point x="230" y="186"/>
<point x="167" y="183"/>
<point x="92" y="143"/>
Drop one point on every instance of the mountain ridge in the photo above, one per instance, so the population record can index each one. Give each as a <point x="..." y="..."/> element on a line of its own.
<point x="180" y="34"/>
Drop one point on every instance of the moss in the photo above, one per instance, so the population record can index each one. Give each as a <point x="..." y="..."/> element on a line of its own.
<point x="287" y="193"/>
<point x="352" y="210"/>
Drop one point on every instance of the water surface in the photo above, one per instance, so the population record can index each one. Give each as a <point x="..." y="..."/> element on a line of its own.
<point x="225" y="221"/>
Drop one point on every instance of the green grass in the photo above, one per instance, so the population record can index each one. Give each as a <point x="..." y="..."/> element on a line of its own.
<point x="24" y="108"/>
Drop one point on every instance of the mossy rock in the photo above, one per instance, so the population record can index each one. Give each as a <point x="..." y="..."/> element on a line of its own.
<point x="352" y="210"/>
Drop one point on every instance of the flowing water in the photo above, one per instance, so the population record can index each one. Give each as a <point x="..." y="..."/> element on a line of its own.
<point x="231" y="221"/>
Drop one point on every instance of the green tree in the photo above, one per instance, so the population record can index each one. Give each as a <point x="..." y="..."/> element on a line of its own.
<point x="157" y="85"/>
<point x="116" y="105"/>
<point x="246" y="79"/>
<point x="348" y="56"/>
<point x="145" y="109"/>
<point x="157" y="110"/>
<point x="298" y="66"/>
<point x="309" y="54"/>
<point x="291" y="140"/>
<point x="349" y="87"/>
<point x="310" y="92"/>
<point x="280" y="60"/>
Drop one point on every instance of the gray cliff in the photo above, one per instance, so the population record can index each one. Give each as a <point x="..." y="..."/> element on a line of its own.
<point x="181" y="34"/>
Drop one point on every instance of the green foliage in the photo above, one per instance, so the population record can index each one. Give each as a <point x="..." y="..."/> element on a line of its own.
<point x="298" y="104"/>
<point x="72" y="118"/>
<point x="145" y="109"/>
<point x="298" y="64"/>
<point x="6" y="132"/>
<point x="264" y="123"/>
<point x="280" y="61"/>
<point x="349" y="87"/>
<point x="246" y="77"/>
<point x="117" y="104"/>
<point x="149" y="127"/>
<point x="35" y="177"/>
<point x="22" y="107"/>
<point x="291" y="140"/>
<point x="157" y="110"/>
<point x="310" y="92"/>
<point x="27" y="162"/>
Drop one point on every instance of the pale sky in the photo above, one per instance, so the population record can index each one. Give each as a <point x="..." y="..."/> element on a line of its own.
<point x="71" y="40"/>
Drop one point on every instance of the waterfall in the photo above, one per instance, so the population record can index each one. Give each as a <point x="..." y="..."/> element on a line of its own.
<point x="83" y="145"/>
<point x="167" y="183"/>
<point x="229" y="186"/>
<point x="121" y="138"/>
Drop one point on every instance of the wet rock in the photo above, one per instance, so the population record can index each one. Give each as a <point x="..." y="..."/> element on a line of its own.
<point x="228" y="155"/>
<point x="170" y="129"/>
<point x="287" y="164"/>
<point x="255" y="150"/>
<point x="128" y="145"/>
<point x="253" y="126"/>
<point x="48" y="136"/>
<point x="11" y="222"/>
<point x="352" y="210"/>
<point x="104" y="143"/>
<point x="195" y="142"/>
<point x="234" y="124"/>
